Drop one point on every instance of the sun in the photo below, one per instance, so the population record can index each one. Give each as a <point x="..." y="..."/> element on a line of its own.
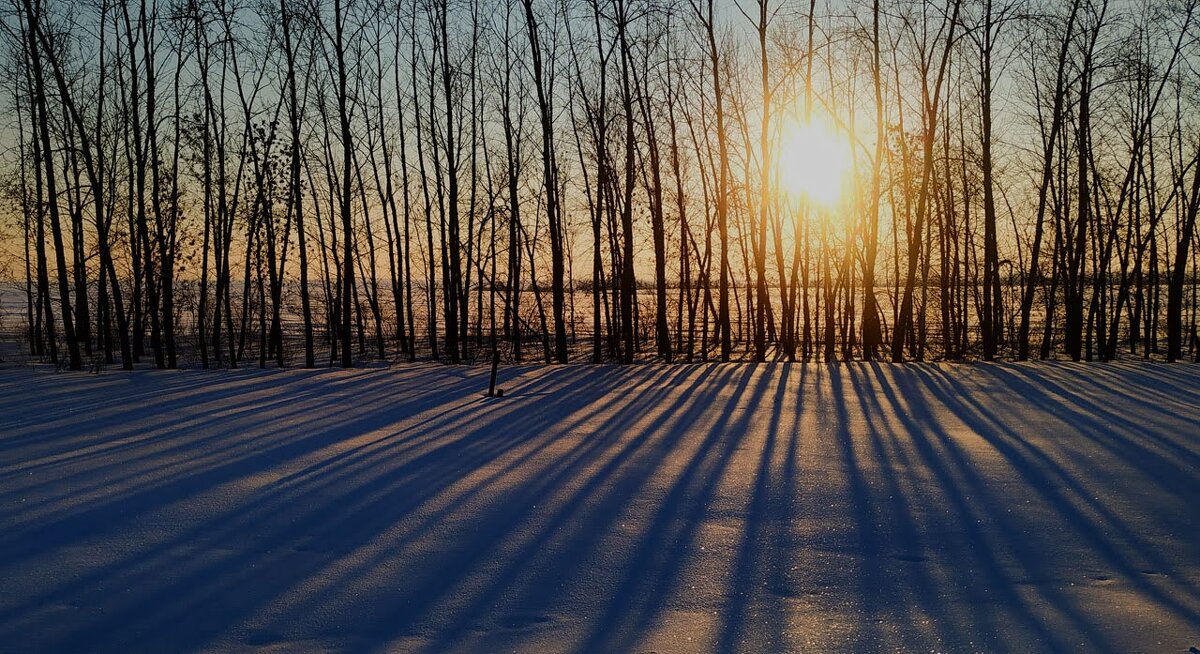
<point x="815" y="162"/>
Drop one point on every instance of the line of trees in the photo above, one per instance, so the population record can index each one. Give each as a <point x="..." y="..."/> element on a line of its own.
<point x="273" y="182"/>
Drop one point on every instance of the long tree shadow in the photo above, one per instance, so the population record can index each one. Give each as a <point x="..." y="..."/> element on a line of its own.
<point x="399" y="509"/>
<point x="1031" y="546"/>
<point x="760" y="563"/>
<point x="371" y="498"/>
<point x="889" y="535"/>
<point x="578" y="518"/>
<point x="652" y="570"/>
<point x="1135" y="446"/>
<point x="127" y="500"/>
<point x="179" y="463"/>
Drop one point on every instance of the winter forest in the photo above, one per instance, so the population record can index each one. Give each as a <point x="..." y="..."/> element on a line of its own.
<point x="881" y="318"/>
<point x="224" y="183"/>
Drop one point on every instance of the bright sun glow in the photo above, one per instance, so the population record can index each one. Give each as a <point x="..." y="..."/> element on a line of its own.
<point x="815" y="162"/>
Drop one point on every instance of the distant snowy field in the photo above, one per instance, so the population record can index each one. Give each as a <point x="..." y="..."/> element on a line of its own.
<point x="996" y="508"/>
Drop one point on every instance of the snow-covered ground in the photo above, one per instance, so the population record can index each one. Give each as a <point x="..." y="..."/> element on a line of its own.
<point x="997" y="508"/>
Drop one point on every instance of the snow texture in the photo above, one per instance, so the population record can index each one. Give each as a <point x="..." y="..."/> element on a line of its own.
<point x="996" y="508"/>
